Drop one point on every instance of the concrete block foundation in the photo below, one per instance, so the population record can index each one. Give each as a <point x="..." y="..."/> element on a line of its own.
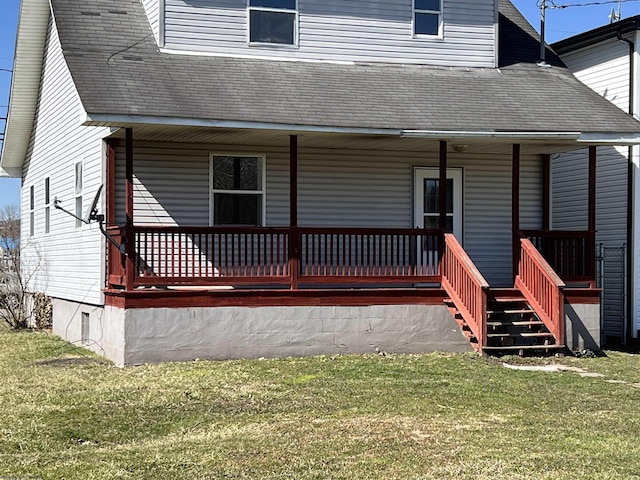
<point x="145" y="335"/>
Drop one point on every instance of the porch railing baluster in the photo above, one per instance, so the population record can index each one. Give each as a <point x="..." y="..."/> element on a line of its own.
<point x="260" y="255"/>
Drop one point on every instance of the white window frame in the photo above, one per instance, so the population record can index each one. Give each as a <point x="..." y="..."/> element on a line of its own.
<point x="440" y="13"/>
<point x="47" y="205"/>
<point x="78" y="188"/>
<point x="277" y="10"/>
<point x="32" y="210"/>
<point x="262" y="191"/>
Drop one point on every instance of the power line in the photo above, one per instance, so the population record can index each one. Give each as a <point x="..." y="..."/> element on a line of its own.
<point x="5" y="70"/>
<point x="554" y="5"/>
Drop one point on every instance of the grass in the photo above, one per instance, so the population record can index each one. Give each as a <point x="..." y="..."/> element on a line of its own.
<point x="67" y="414"/>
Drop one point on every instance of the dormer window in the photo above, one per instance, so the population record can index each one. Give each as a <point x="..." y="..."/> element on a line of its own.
<point x="273" y="21"/>
<point x="427" y="17"/>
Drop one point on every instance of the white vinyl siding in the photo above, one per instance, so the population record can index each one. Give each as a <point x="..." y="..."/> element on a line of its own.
<point x="605" y="69"/>
<point x="342" y="188"/>
<point x="334" y="30"/>
<point x="152" y="9"/>
<point x="70" y="261"/>
<point x="570" y="176"/>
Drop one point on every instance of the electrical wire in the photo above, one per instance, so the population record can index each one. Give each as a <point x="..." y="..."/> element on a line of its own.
<point x="555" y="6"/>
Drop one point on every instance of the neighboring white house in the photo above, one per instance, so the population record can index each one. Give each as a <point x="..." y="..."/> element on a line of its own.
<point x="291" y="177"/>
<point x="606" y="59"/>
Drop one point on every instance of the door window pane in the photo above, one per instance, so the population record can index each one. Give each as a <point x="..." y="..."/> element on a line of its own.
<point x="433" y="221"/>
<point x="431" y="202"/>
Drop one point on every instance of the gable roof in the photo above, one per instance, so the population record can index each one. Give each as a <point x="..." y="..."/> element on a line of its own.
<point x="122" y="79"/>
<point x="597" y="35"/>
<point x="25" y="83"/>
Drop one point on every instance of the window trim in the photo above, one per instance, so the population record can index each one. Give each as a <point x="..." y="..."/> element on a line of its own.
<point x="262" y="191"/>
<point x="32" y="210"/>
<point x="426" y="36"/>
<point x="296" y="24"/>
<point x="47" y="205"/>
<point x="77" y="192"/>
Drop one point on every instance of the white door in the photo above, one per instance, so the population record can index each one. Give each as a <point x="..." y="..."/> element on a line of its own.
<point x="426" y="211"/>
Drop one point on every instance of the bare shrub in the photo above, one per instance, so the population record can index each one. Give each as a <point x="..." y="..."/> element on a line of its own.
<point x="15" y="274"/>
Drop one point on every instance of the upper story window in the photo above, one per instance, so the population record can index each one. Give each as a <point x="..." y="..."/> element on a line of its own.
<point x="427" y="17"/>
<point x="273" y="21"/>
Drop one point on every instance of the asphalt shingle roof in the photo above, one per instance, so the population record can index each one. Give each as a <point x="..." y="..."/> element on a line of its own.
<point x="118" y="70"/>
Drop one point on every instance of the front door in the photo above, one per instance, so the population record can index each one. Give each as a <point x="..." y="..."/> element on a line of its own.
<point x="426" y="211"/>
<point x="427" y="199"/>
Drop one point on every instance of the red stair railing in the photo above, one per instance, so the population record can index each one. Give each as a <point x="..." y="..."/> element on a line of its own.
<point x="466" y="287"/>
<point x="542" y="288"/>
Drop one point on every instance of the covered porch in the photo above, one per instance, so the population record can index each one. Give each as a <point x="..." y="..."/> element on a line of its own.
<point x="158" y="265"/>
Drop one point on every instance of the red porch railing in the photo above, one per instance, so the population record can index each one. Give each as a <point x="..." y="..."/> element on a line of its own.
<point x="358" y="255"/>
<point x="466" y="286"/>
<point x="571" y="254"/>
<point x="279" y="256"/>
<point x="542" y="288"/>
<point x="116" y="269"/>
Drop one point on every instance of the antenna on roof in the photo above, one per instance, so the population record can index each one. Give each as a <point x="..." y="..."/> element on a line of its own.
<point x="615" y="16"/>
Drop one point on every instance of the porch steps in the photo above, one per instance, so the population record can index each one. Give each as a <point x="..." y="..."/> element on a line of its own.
<point x="512" y="327"/>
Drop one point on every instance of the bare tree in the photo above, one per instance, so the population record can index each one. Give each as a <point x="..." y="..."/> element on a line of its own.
<point x="13" y="281"/>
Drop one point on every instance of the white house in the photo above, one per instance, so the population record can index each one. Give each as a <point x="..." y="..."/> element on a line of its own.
<point x="292" y="177"/>
<point x="606" y="59"/>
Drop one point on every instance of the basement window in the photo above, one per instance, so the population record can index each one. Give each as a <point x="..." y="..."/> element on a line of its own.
<point x="84" y="328"/>
<point x="273" y="21"/>
<point x="427" y="18"/>
<point x="237" y="190"/>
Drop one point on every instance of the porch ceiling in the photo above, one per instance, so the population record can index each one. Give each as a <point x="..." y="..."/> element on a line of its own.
<point x="280" y="138"/>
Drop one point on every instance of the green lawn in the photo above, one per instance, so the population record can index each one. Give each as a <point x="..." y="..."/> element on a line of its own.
<point x="68" y="414"/>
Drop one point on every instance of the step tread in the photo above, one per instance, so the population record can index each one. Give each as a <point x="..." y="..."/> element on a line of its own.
<point x="519" y="323"/>
<point x="519" y="334"/>
<point x="509" y="311"/>
<point x="524" y="347"/>
<point x="507" y="299"/>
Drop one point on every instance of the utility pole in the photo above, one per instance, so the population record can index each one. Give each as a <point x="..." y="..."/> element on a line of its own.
<point x="543" y="8"/>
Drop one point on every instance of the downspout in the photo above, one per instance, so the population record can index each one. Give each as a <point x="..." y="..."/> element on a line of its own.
<point x="628" y="329"/>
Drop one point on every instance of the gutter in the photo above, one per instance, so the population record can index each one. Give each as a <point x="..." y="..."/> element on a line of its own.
<point x="628" y="328"/>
